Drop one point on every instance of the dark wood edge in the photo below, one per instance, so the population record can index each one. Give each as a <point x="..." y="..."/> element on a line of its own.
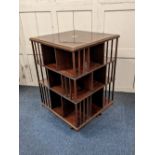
<point x="70" y="49"/>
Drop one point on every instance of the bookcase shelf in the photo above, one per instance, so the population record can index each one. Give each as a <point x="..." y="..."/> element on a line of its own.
<point x="76" y="80"/>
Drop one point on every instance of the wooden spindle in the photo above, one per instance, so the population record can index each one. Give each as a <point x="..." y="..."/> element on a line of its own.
<point x="116" y="46"/>
<point x="79" y="62"/>
<point x="74" y="63"/>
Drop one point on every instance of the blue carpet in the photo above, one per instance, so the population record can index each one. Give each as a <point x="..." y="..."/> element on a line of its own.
<point x="42" y="133"/>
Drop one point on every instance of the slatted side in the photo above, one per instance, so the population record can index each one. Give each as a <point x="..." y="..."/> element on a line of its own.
<point x="67" y="86"/>
<point x="110" y="59"/>
<point x="83" y="111"/>
<point x="42" y="74"/>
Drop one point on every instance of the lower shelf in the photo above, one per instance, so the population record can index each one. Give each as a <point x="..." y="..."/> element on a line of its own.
<point x="80" y="95"/>
<point x="70" y="118"/>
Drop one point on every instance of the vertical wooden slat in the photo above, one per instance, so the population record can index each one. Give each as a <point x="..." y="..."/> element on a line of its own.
<point x="88" y="101"/>
<point x="75" y="89"/>
<point x="107" y="76"/>
<point x="44" y="88"/>
<point x="35" y="60"/>
<point x="73" y="60"/>
<point x="87" y="109"/>
<point x="70" y="89"/>
<point x="62" y="106"/>
<point x="66" y="86"/>
<point x="62" y="83"/>
<point x="92" y="81"/>
<point x="84" y="60"/>
<point x="108" y="72"/>
<point x="103" y="102"/>
<point x="88" y="59"/>
<point x="46" y="101"/>
<point x="83" y="110"/>
<point x="40" y="54"/>
<point x="115" y="68"/>
<point x="76" y="115"/>
<point x="80" y="115"/>
<point x="112" y="70"/>
<point x="107" y="51"/>
<point x="35" y="51"/>
<point x="40" y="63"/>
<point x="111" y="50"/>
<point x="106" y="84"/>
<point x="109" y="90"/>
<point x="90" y="111"/>
<point x="47" y="77"/>
<point x="41" y="93"/>
<point x="49" y="99"/>
<point x="79" y="62"/>
<point x="112" y="79"/>
<point x="47" y="95"/>
<point x="56" y="58"/>
<point x="103" y="50"/>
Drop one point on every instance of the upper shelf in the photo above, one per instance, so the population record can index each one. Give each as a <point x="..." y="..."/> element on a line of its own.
<point x="73" y="40"/>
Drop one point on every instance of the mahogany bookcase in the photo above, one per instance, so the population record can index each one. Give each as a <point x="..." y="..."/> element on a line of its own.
<point x="76" y="74"/>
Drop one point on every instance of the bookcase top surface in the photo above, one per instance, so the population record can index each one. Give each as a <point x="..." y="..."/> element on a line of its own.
<point x="73" y="40"/>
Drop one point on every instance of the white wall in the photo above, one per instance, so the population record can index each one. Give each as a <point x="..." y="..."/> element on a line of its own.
<point x="38" y="17"/>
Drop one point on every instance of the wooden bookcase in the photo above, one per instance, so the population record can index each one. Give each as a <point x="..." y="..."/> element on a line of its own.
<point x="76" y="74"/>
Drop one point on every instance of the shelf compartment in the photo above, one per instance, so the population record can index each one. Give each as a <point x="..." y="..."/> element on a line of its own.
<point x="97" y="54"/>
<point x="72" y="89"/>
<point x="83" y="86"/>
<point x="78" y="63"/>
<point x="77" y="90"/>
<point x="54" y="79"/>
<point x="63" y="108"/>
<point x="77" y="115"/>
<point x="99" y="77"/>
<point x="48" y="54"/>
<point x="97" y="100"/>
<point x="63" y="59"/>
<point x="56" y="103"/>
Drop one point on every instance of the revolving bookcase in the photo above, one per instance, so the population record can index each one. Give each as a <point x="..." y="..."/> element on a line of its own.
<point x="76" y="74"/>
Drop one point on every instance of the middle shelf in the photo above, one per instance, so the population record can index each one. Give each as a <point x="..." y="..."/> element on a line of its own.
<point x="77" y="90"/>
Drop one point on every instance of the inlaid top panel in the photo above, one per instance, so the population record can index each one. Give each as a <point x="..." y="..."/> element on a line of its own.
<point x="73" y="40"/>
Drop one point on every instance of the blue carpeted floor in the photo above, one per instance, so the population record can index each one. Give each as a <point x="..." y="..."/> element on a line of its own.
<point x="42" y="133"/>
